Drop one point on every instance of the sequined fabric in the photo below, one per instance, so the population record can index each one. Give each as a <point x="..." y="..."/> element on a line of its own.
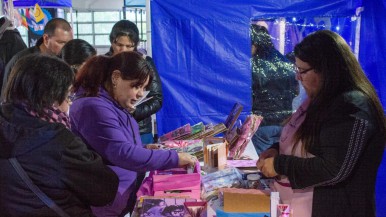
<point x="273" y="80"/>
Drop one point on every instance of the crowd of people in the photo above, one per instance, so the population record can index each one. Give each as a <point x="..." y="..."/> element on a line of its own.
<point x="74" y="143"/>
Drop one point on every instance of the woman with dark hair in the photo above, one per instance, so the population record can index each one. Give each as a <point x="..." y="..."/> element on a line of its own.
<point x="330" y="149"/>
<point x="76" y="52"/>
<point x="273" y="87"/>
<point x="106" y="90"/>
<point x="124" y="36"/>
<point x="34" y="130"/>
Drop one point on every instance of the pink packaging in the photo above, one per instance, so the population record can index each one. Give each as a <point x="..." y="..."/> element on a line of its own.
<point x="249" y="127"/>
<point x="177" y="184"/>
<point x="284" y="210"/>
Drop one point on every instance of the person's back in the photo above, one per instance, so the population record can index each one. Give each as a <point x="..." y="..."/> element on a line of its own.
<point x="273" y="88"/>
<point x="34" y="130"/>
<point x="273" y="79"/>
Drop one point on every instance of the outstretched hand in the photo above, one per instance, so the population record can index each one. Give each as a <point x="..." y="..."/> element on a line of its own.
<point x="186" y="159"/>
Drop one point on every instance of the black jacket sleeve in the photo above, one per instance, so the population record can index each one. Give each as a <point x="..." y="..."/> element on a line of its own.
<point x="87" y="176"/>
<point x="13" y="61"/>
<point x="151" y="106"/>
<point x="343" y="138"/>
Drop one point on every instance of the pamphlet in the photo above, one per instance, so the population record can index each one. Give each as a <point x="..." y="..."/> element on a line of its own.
<point x="143" y="98"/>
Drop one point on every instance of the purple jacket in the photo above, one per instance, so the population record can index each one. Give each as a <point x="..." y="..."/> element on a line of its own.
<point x="112" y="132"/>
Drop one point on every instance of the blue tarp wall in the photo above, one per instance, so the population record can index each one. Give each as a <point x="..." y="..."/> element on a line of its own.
<point x="202" y="50"/>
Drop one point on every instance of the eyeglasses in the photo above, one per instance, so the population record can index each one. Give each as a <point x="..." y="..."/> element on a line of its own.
<point x="297" y="70"/>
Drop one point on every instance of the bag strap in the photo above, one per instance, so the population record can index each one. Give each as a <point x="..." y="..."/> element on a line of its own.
<point x="42" y="196"/>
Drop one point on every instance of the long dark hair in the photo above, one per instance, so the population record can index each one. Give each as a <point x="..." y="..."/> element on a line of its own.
<point x="331" y="57"/>
<point x="76" y="52"/>
<point x="261" y="38"/>
<point x="98" y="70"/>
<point x="39" y="81"/>
<point x="124" y="28"/>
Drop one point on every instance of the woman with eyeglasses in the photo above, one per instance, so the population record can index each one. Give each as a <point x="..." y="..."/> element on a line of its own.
<point x="35" y="130"/>
<point x="327" y="160"/>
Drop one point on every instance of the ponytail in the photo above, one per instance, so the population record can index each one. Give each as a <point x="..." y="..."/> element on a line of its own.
<point x="93" y="74"/>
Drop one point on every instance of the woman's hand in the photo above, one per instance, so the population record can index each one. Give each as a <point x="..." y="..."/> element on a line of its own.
<point x="152" y="146"/>
<point x="186" y="159"/>
<point x="266" y="154"/>
<point x="267" y="167"/>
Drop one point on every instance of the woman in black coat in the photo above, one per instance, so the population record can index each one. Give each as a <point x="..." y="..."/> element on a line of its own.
<point x="35" y="130"/>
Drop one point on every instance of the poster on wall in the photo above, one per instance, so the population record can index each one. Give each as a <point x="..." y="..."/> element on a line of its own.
<point x="36" y="20"/>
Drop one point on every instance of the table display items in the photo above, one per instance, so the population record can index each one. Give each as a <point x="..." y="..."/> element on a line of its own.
<point x="172" y="182"/>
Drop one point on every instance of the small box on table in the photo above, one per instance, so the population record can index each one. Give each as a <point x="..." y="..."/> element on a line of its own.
<point x="177" y="182"/>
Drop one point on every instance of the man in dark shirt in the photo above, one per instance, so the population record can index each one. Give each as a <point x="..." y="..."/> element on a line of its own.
<point x="57" y="32"/>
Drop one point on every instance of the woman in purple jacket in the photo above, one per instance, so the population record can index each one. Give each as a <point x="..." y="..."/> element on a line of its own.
<point x="106" y="90"/>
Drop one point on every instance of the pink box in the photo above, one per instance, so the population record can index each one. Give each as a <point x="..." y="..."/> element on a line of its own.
<point x="177" y="184"/>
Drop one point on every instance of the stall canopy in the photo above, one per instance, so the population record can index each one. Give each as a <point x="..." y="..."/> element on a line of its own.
<point x="135" y="3"/>
<point x="42" y="3"/>
<point x="202" y="50"/>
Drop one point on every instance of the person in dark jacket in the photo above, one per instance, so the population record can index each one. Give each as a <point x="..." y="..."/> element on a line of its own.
<point x="273" y="87"/>
<point x="124" y="36"/>
<point x="10" y="43"/>
<point x="330" y="150"/>
<point x="57" y="32"/>
<point x="35" y="129"/>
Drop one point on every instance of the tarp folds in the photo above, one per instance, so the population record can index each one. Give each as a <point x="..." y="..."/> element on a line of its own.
<point x="202" y="51"/>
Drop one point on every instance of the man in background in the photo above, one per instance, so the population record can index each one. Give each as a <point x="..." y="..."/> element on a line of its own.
<point x="10" y="43"/>
<point x="57" y="32"/>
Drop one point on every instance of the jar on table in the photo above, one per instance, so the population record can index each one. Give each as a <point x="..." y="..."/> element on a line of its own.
<point x="252" y="180"/>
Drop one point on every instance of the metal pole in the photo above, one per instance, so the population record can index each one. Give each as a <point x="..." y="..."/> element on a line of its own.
<point x="148" y="28"/>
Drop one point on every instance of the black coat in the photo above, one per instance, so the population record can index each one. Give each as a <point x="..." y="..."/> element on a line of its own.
<point x="344" y="169"/>
<point x="10" y="44"/>
<point x="143" y="112"/>
<point x="273" y="87"/>
<point x="57" y="161"/>
<point x="15" y="58"/>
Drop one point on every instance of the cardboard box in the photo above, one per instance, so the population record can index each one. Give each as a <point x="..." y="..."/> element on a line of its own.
<point x="246" y="200"/>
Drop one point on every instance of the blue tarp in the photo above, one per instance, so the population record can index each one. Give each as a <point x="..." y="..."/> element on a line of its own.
<point x="42" y="3"/>
<point x="202" y="50"/>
